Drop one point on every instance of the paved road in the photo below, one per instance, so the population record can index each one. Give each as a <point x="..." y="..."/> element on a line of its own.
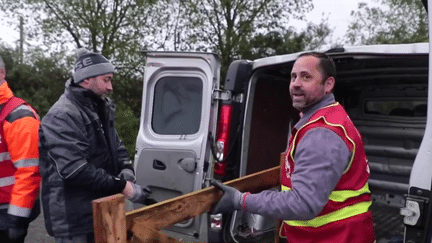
<point x="37" y="232"/>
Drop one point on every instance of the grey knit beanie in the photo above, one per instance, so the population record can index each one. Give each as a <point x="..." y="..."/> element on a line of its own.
<point x="90" y="64"/>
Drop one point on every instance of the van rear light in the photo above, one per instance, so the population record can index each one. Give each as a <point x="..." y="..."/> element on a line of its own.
<point x="222" y="142"/>
<point x="216" y="221"/>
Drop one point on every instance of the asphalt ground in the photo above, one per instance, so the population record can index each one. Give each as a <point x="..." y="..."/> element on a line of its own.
<point x="389" y="227"/>
<point x="37" y="232"/>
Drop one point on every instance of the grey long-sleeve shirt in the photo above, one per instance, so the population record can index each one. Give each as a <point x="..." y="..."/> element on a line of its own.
<point x="321" y="157"/>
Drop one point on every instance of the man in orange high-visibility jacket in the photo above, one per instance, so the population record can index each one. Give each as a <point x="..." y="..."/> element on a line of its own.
<point x="19" y="164"/>
<point x="325" y="195"/>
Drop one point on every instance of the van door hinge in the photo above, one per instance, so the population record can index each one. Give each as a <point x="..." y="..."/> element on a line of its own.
<point x="219" y="94"/>
<point x="413" y="211"/>
<point x="227" y="96"/>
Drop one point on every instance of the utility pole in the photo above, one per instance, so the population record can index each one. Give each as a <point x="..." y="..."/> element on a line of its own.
<point x="21" y="41"/>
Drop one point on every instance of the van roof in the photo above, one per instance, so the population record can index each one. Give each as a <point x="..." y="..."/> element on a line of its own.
<point x="416" y="48"/>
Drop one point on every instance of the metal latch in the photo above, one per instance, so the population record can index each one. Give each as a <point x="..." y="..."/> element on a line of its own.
<point x="222" y="94"/>
<point x="219" y="94"/>
<point x="411" y="212"/>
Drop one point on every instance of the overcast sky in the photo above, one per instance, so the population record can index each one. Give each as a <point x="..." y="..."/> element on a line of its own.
<point x="8" y="34"/>
<point x="338" y="12"/>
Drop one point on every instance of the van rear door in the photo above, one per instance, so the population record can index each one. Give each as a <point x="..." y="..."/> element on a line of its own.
<point x="178" y="115"/>
<point x="418" y="204"/>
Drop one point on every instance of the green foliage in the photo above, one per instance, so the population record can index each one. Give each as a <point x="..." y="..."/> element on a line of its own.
<point x="396" y="21"/>
<point x="275" y="43"/>
<point x="120" y="29"/>
<point x="42" y="79"/>
<point x="40" y="82"/>
<point x="111" y="27"/>
<point x="227" y="26"/>
<point x="128" y="90"/>
<point x="127" y="125"/>
<point x="127" y="94"/>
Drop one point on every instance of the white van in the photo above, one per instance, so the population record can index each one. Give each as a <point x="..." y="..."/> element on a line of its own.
<point x="192" y="130"/>
<point x="179" y="146"/>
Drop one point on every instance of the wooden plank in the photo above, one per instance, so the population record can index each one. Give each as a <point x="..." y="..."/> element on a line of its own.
<point x="163" y="214"/>
<point x="109" y="219"/>
<point x="146" y="234"/>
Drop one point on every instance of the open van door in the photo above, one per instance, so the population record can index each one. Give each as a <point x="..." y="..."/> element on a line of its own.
<point x="178" y="117"/>
<point x="418" y="207"/>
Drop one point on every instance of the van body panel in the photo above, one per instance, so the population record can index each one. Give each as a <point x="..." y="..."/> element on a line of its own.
<point x="349" y="50"/>
<point x="418" y="178"/>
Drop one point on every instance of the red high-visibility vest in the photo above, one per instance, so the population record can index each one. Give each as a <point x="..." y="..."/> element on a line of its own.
<point x="346" y="216"/>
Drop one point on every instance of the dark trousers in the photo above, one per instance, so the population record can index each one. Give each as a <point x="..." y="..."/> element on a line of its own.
<point x="4" y="238"/>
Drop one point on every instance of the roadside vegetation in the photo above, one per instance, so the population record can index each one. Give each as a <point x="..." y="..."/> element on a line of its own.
<point x="42" y="60"/>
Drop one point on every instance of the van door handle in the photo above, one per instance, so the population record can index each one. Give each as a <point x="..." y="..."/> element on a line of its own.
<point x="158" y="165"/>
<point x="188" y="164"/>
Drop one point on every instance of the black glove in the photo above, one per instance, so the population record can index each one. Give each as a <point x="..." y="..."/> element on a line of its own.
<point x="127" y="174"/>
<point x="140" y="194"/>
<point x="18" y="231"/>
<point x="17" y="234"/>
<point x="230" y="201"/>
<point x="149" y="201"/>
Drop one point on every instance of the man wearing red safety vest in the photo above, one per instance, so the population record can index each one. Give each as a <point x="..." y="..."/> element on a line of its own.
<point x="325" y="195"/>
<point x="19" y="164"/>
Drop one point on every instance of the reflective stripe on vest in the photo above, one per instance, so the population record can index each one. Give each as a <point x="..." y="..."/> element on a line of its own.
<point x="19" y="211"/>
<point x="7" y="181"/>
<point x="26" y="163"/>
<point x="343" y="195"/>
<point x="349" y="139"/>
<point x="4" y="156"/>
<point x="340" y="214"/>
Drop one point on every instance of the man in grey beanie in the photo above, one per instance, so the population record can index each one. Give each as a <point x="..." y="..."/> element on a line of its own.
<point x="81" y="155"/>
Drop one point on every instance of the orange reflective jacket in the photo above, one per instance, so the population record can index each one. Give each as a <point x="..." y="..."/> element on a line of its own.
<point x="19" y="157"/>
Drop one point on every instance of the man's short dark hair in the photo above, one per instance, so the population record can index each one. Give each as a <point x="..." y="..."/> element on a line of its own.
<point x="326" y="63"/>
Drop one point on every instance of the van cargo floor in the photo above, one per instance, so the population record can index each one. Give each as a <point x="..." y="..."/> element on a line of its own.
<point x="388" y="223"/>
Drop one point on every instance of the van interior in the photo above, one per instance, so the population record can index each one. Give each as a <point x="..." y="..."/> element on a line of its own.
<point x="385" y="96"/>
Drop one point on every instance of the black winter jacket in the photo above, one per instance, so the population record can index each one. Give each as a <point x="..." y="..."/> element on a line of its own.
<point x="80" y="158"/>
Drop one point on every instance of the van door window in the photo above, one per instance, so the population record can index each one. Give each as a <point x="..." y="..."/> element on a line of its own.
<point x="177" y="105"/>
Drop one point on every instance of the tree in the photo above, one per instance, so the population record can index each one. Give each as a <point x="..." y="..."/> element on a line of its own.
<point x="169" y="22"/>
<point x="40" y="81"/>
<point x="111" y="27"/>
<point x="100" y="25"/>
<point x="396" y="21"/>
<point x="276" y="43"/>
<point x="225" y="26"/>
<point x="121" y="29"/>
<point x="127" y="126"/>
